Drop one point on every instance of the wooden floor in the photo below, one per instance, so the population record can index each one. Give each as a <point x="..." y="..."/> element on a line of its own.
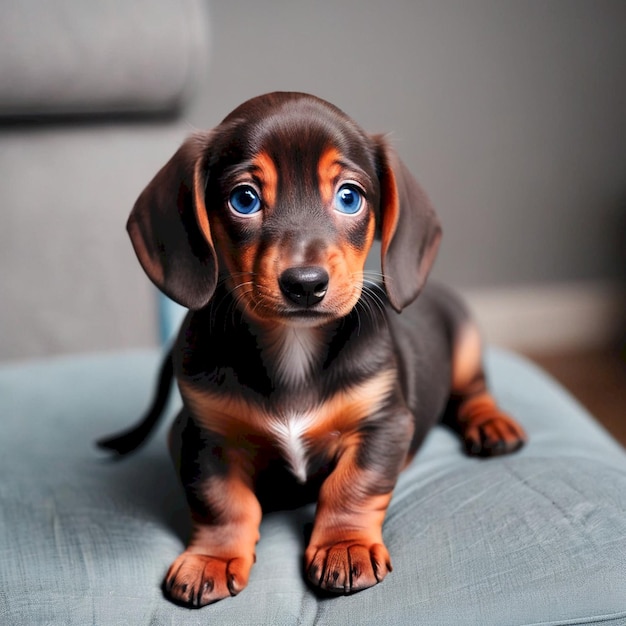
<point x="597" y="378"/>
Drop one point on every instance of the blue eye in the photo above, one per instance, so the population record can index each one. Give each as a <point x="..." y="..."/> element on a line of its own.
<point x="245" y="200"/>
<point x="348" y="199"/>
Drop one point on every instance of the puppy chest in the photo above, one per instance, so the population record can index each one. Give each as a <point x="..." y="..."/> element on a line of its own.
<point x="297" y="433"/>
<point x="299" y="436"/>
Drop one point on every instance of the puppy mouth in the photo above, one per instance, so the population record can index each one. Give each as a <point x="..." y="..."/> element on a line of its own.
<point x="307" y="314"/>
<point x="327" y="311"/>
<point x="284" y="309"/>
<point x="282" y="313"/>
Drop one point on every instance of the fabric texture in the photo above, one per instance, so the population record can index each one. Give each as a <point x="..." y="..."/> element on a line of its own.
<point x="115" y="56"/>
<point x="534" y="538"/>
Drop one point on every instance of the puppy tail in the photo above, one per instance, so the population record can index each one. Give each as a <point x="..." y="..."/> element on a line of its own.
<point x="132" y="438"/>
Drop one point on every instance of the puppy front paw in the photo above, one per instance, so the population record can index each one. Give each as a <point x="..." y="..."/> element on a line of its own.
<point x="195" y="580"/>
<point x="347" y="566"/>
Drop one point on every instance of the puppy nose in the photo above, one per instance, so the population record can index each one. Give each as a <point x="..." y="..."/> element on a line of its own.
<point x="304" y="286"/>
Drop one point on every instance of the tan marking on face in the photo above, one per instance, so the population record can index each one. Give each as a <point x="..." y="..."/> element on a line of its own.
<point x="328" y="170"/>
<point x="346" y="264"/>
<point x="239" y="263"/>
<point x="266" y="171"/>
<point x="356" y="257"/>
<point x="267" y="268"/>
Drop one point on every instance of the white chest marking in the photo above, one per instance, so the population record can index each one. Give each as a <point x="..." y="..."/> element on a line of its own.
<point x="293" y="350"/>
<point x="289" y="432"/>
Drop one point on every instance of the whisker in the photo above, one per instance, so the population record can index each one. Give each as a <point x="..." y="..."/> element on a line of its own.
<point x="374" y="290"/>
<point x="358" y="316"/>
<point x="380" y="277"/>
<point x="362" y="308"/>
<point x="372" y="274"/>
<point x="373" y="304"/>
<point x="372" y="287"/>
<point x="237" y="296"/>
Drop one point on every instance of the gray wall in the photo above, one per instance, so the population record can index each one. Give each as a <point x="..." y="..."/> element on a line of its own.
<point x="511" y="114"/>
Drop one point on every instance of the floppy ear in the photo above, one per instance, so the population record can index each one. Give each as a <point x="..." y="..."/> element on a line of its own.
<point x="169" y="228"/>
<point x="409" y="229"/>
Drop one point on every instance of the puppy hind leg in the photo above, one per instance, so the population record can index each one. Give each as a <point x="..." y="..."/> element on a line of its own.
<point x="473" y="411"/>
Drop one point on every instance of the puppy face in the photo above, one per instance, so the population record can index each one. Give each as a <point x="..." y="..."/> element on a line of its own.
<point x="291" y="202"/>
<point x="281" y="201"/>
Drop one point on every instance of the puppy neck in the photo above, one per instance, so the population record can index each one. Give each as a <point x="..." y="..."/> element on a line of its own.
<point x="291" y="352"/>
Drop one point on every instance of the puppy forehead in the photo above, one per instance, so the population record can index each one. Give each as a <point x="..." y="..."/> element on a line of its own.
<point x="295" y="132"/>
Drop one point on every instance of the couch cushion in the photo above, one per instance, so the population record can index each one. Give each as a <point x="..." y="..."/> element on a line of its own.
<point x="534" y="538"/>
<point x="118" y="56"/>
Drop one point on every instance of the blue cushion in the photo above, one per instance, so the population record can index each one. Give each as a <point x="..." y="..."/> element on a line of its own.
<point x="535" y="538"/>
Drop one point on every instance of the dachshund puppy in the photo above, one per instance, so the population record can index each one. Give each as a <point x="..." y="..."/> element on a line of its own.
<point x="299" y="378"/>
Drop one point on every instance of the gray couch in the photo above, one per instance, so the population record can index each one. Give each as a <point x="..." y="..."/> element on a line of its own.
<point x="535" y="538"/>
<point x="90" y="101"/>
